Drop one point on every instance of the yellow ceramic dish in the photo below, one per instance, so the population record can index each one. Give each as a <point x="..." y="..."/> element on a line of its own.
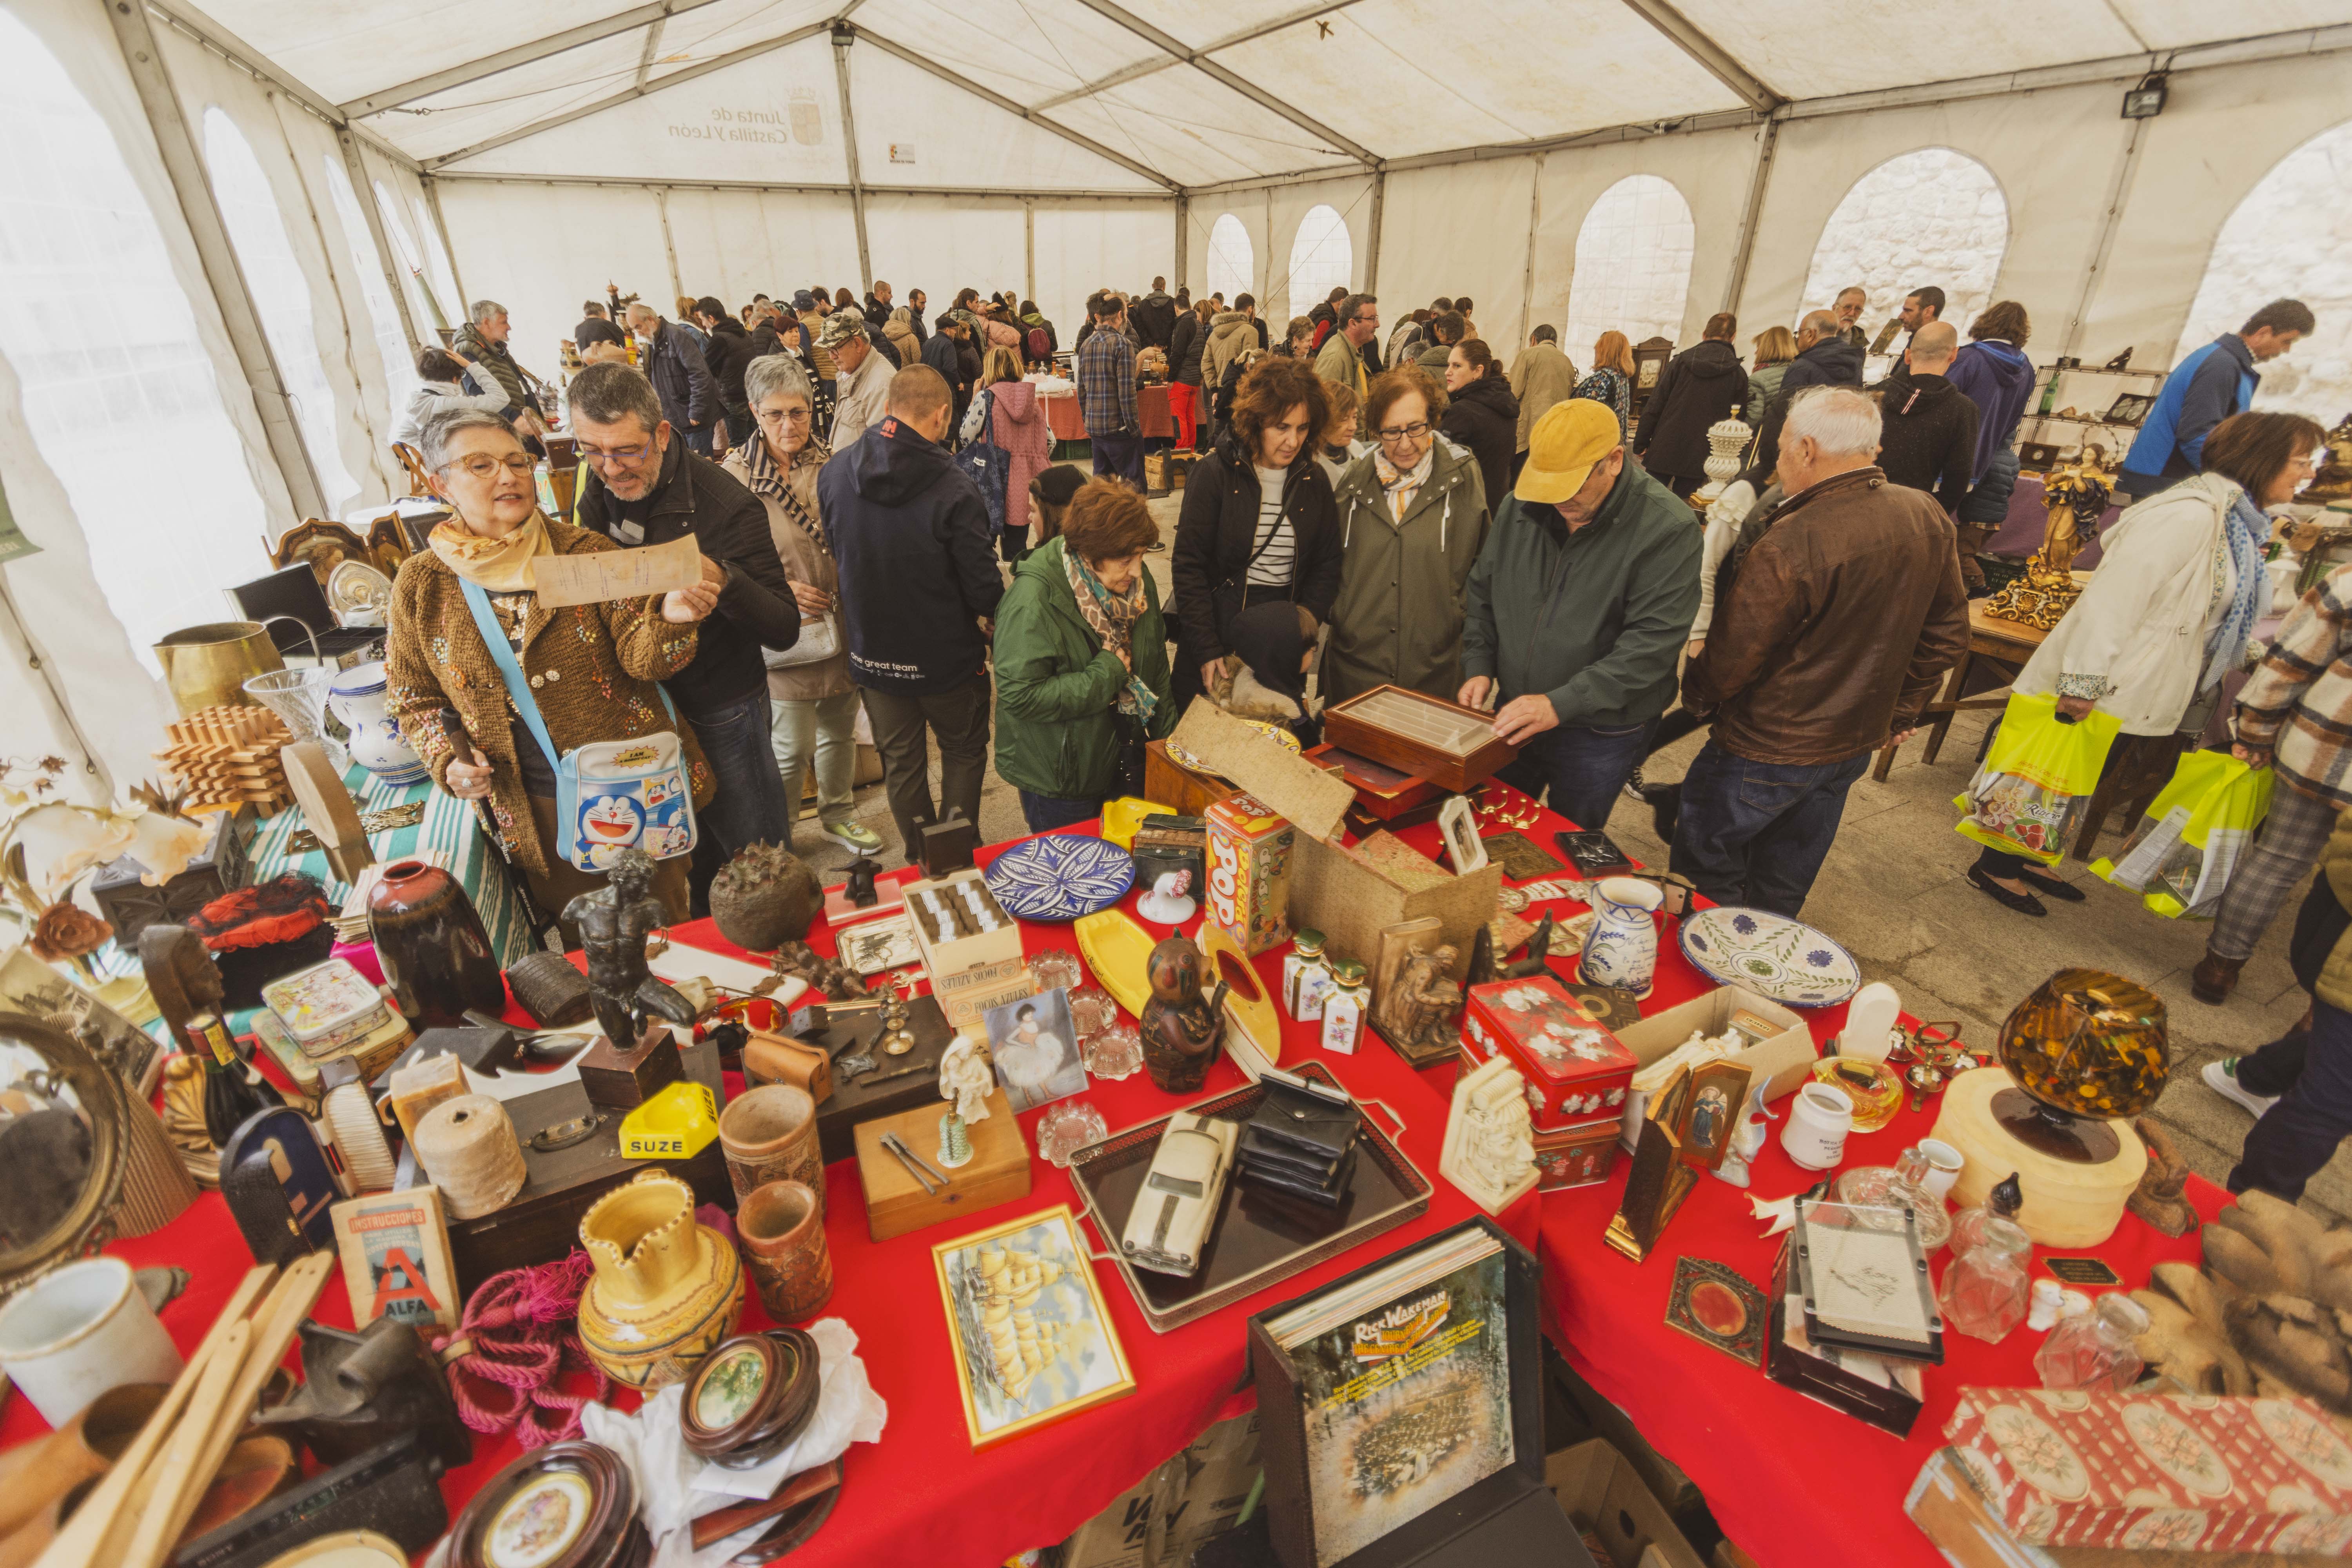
<point x="1119" y="953"/>
<point x="1122" y="817"/>
<point x="1254" y="1039"/>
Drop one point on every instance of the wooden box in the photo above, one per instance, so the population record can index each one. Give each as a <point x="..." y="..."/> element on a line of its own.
<point x="1187" y="791"/>
<point x="896" y="1202"/>
<point x="1383" y="794"/>
<point x="130" y="905"/>
<point x="976" y="970"/>
<point x="1420" y="736"/>
<point x="624" y="1080"/>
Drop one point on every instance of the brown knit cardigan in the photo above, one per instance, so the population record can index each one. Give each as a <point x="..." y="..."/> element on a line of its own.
<point x="593" y="668"/>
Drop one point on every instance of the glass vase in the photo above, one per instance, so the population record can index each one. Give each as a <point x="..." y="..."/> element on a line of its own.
<point x="1985" y="1292"/>
<point x="2094" y="1348"/>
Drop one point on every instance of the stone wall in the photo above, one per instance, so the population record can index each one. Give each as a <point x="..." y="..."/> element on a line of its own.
<point x="1931" y="216"/>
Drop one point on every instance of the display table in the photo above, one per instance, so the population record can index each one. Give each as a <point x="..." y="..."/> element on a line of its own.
<point x="1064" y="418"/>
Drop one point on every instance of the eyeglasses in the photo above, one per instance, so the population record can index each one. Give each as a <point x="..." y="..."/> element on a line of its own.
<point x="1395" y="434"/>
<point x="482" y="466"/>
<point x="617" y="455"/>
<point x="784" y="416"/>
<point x="1369" y="318"/>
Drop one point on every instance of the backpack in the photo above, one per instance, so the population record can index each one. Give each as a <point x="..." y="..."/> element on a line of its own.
<point x="1040" y="346"/>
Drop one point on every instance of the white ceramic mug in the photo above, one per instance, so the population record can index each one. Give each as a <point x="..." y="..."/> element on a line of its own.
<point x="79" y="1332"/>
<point x="1820" y="1116"/>
<point x="1944" y="1163"/>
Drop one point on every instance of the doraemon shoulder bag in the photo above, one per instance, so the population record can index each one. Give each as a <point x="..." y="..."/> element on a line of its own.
<point x="610" y="795"/>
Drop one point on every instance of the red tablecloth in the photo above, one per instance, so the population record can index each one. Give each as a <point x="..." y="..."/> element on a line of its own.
<point x="1068" y="422"/>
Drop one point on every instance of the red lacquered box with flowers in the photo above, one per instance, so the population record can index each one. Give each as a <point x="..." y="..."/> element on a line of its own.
<point x="1576" y="1070"/>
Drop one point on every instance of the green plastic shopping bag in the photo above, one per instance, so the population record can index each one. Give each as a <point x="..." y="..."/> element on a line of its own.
<point x="2181" y="855"/>
<point x="2035" y="781"/>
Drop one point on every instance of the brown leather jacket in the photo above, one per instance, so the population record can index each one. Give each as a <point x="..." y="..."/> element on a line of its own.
<point x="1841" y="620"/>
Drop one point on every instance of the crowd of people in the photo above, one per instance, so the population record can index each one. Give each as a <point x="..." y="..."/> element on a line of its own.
<point x="882" y="529"/>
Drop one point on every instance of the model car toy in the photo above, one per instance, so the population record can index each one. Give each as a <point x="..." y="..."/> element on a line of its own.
<point x="1168" y="1229"/>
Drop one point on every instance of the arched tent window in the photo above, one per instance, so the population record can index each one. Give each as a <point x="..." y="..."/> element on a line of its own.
<point x="391" y="346"/>
<point x="1322" y="258"/>
<point x="1633" y="265"/>
<point x="412" y="261"/>
<point x="280" y="294"/>
<point x="113" y="397"/>
<point x="2287" y="240"/>
<point x="1231" y="263"/>
<point x="1930" y="216"/>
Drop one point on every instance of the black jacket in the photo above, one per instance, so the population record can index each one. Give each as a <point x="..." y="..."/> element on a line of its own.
<point x="1484" y="418"/>
<point x="1927" y="436"/>
<point x="942" y="354"/>
<point x="729" y="525"/>
<point x="728" y="351"/>
<point x="1217" y="531"/>
<point x="1154" y="316"/>
<point x="916" y="557"/>
<point x="1831" y="362"/>
<point x="1184" y="346"/>
<point x="597" y="330"/>
<point x="682" y="379"/>
<point x="1700" y="385"/>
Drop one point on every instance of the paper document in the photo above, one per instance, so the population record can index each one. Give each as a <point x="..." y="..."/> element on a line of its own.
<point x="602" y="574"/>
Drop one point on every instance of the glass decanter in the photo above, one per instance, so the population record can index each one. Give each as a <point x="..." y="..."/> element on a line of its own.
<point x="2002" y="1202"/>
<point x="1985" y="1291"/>
<point x="2094" y="1349"/>
<point x="1902" y="1185"/>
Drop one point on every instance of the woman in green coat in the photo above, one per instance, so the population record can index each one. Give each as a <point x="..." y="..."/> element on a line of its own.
<point x="1082" y="661"/>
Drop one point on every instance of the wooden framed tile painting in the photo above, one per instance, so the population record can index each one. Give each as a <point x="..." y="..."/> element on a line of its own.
<point x="1032" y="1339"/>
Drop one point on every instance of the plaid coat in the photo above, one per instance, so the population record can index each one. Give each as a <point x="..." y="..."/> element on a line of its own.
<point x="592" y="670"/>
<point x="2298" y="704"/>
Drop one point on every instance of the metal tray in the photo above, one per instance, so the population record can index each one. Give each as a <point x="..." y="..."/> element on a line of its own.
<point x="1258" y="1241"/>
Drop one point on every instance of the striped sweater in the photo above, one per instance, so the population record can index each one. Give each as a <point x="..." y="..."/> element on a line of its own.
<point x="2298" y="704"/>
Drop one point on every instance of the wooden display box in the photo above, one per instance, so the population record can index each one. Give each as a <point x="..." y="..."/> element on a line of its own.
<point x="1784" y="1061"/>
<point x="969" y="973"/>
<point x="130" y="905"/>
<point x="1420" y="736"/>
<point x="896" y="1202"/>
<point x="1186" y="791"/>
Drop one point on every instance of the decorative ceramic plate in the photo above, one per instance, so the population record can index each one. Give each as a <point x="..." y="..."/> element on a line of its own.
<point x="1771" y="955"/>
<point x="1275" y="732"/>
<point x="1060" y="877"/>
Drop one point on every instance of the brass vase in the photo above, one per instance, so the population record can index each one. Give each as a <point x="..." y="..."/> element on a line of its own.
<point x="667" y="1288"/>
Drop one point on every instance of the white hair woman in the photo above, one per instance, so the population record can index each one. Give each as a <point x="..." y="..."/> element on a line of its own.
<point x="811" y="706"/>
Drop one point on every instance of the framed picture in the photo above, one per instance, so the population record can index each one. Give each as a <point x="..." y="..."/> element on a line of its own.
<point x="1033" y="1340"/>
<point x="2130" y="409"/>
<point x="2037" y="457"/>
<point x="1709" y="1112"/>
<point x="1036" y="1047"/>
<point x="878" y="946"/>
<point x="28" y="985"/>
<point x="1457" y="820"/>
<point x="321" y="546"/>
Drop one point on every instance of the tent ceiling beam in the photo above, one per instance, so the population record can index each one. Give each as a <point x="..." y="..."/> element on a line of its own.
<point x="818" y="188"/>
<point x="1145" y="68"/>
<point x="1175" y="47"/>
<point x="246" y="57"/>
<point x="998" y="100"/>
<point x="1712" y="58"/>
<point x="652" y="50"/>
<point x="521" y="55"/>
<point x="628" y="94"/>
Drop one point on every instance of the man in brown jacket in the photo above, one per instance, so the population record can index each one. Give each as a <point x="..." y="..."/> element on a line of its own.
<point x="1832" y="634"/>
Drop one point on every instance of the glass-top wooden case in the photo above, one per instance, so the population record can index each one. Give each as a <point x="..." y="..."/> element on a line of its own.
<point x="1442" y="741"/>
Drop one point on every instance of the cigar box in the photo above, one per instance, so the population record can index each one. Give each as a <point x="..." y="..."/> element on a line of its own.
<point x="897" y="1203"/>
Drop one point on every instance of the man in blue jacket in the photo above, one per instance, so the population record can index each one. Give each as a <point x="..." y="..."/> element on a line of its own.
<point x="918" y="579"/>
<point x="674" y="363"/>
<point x="2204" y="389"/>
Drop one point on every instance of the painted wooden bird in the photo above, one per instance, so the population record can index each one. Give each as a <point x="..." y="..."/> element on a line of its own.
<point x="1181" y="1029"/>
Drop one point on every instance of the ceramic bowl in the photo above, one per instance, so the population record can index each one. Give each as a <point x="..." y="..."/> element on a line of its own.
<point x="1060" y="877"/>
<point x="1771" y="955"/>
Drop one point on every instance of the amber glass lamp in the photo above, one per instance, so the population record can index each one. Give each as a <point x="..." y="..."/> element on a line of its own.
<point x="2086" y="1049"/>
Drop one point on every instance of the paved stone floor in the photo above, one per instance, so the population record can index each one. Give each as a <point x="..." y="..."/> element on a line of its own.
<point x="1893" y="892"/>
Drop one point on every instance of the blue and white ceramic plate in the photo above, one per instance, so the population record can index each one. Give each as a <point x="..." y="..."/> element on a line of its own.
<point x="1771" y="955"/>
<point x="1060" y="877"/>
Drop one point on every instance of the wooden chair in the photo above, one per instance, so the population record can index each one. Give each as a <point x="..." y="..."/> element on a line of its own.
<point x="413" y="461"/>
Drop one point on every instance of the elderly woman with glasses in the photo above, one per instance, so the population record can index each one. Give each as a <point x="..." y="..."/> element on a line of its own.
<point x="594" y="669"/>
<point x="811" y="704"/>
<point x="1412" y="517"/>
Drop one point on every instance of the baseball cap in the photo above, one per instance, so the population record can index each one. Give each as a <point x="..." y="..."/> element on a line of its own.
<point x="840" y="327"/>
<point x="1573" y="434"/>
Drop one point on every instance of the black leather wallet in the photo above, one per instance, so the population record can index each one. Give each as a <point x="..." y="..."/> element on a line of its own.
<point x="1318" y="1124"/>
<point x="1256" y="1150"/>
<point x="1327" y="1194"/>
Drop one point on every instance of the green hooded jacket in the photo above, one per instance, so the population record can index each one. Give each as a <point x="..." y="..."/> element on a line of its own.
<point x="1057" y="733"/>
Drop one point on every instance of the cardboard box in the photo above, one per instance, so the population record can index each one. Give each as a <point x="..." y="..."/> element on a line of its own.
<point x="1185" y="1501"/>
<point x="1784" y="1061"/>
<point x="1250" y="847"/>
<point x="1576" y="1070"/>
<point x="969" y="973"/>
<point x="1604" y="1496"/>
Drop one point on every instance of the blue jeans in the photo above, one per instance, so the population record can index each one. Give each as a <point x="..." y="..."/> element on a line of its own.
<point x="1583" y="768"/>
<point x="751" y="806"/>
<point x="1755" y="833"/>
<point x="1044" y="813"/>
<point x="2298" y="1135"/>
<point x="1120" y="455"/>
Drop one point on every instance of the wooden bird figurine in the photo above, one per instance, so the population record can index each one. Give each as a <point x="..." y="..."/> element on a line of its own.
<point x="1181" y="1029"/>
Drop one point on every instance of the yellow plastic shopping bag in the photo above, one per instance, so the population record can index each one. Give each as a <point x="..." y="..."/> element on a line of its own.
<point x="2181" y="855"/>
<point x="2036" y="780"/>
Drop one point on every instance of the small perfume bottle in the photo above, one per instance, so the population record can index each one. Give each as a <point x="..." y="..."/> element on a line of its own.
<point x="1985" y="1289"/>
<point x="1306" y="976"/>
<point x="2094" y="1348"/>
<point x="1343" y="1008"/>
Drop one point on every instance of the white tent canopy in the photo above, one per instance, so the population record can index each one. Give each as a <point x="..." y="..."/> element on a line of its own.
<point x="1589" y="164"/>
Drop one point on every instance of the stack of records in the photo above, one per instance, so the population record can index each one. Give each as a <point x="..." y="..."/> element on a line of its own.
<point x="1301" y="1139"/>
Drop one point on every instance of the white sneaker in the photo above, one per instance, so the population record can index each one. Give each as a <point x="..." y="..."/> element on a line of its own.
<point x="2221" y="1078"/>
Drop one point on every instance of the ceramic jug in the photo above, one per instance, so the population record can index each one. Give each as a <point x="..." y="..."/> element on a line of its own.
<point x="436" y="955"/>
<point x="1621" y="949"/>
<point x="667" y="1288"/>
<point x="357" y="698"/>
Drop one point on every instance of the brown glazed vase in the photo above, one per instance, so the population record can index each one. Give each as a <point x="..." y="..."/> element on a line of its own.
<point x="769" y="1134"/>
<point x="781" y="1227"/>
<point x="436" y="955"/>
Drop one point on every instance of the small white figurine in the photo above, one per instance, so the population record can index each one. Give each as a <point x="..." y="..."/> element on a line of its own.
<point x="1747" y="1138"/>
<point x="1489" y="1150"/>
<point x="1168" y="903"/>
<point x="965" y="1079"/>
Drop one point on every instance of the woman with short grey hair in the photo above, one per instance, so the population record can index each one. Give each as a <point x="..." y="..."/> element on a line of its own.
<point x="811" y="704"/>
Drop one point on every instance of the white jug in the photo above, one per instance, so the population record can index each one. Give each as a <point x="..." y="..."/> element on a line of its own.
<point x="357" y="698"/>
<point x="1622" y="948"/>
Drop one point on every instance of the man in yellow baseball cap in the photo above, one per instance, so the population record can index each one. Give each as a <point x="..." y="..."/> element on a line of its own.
<point x="1578" y="609"/>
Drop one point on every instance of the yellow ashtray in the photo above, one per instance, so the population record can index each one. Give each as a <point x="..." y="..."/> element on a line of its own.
<point x="1122" y="817"/>
<point x="677" y="1123"/>
<point x="1875" y="1088"/>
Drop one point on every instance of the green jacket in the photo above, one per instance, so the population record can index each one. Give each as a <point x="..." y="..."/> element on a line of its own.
<point x="1398" y="619"/>
<point x="1057" y="733"/>
<point x="1595" y="619"/>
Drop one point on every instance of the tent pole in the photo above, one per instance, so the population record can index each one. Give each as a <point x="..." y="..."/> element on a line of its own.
<point x="176" y="142"/>
<point x="432" y="200"/>
<point x="669" y="247"/>
<point x="365" y="192"/>
<point x="1528" y="283"/>
<point x="1183" y="242"/>
<point x="1380" y="211"/>
<point x="1029" y="249"/>
<point x="2118" y="191"/>
<point x="841" y="38"/>
<point x="1767" y="141"/>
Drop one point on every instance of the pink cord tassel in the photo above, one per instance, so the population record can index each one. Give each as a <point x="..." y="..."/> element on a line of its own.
<point x="508" y="1379"/>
